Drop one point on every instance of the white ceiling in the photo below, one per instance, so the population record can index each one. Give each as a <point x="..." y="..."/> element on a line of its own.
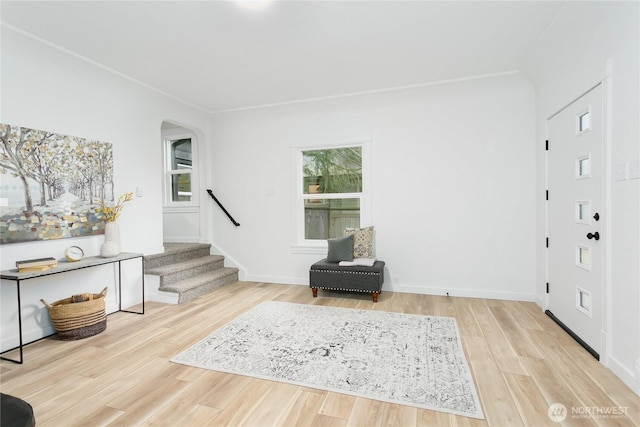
<point x="218" y="55"/>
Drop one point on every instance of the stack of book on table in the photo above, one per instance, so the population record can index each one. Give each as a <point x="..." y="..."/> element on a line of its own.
<point x="39" y="264"/>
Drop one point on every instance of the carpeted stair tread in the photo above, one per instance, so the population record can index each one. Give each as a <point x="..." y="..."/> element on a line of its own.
<point x="176" y="252"/>
<point x="189" y="270"/>
<point x="184" y="265"/>
<point x="180" y="247"/>
<point x="199" y="280"/>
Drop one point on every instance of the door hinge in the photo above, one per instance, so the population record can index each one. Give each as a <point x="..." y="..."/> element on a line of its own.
<point x="546" y="145"/>
<point x="547" y="243"/>
<point x="547" y="287"/>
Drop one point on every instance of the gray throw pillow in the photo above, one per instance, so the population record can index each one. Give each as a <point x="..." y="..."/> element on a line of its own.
<point x="340" y="249"/>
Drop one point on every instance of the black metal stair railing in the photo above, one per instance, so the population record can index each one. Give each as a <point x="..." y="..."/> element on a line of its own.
<point x="223" y="209"/>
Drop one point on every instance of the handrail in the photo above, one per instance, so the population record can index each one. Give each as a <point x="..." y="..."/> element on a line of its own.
<point x="223" y="209"/>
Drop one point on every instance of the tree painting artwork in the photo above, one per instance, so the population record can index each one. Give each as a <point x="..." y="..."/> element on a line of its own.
<point x="50" y="185"/>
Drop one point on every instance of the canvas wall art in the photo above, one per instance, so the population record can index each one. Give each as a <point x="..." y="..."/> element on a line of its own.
<point x="50" y="184"/>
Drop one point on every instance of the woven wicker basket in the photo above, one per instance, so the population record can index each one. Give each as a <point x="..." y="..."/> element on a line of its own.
<point x="77" y="320"/>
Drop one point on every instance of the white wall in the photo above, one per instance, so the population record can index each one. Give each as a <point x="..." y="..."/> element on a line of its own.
<point x="44" y="88"/>
<point x="570" y="59"/>
<point x="453" y="171"/>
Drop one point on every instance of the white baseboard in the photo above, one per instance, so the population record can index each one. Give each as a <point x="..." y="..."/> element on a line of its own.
<point x="153" y="293"/>
<point x="408" y="289"/>
<point x="279" y="280"/>
<point x="230" y="261"/>
<point x="465" y="293"/>
<point x="13" y="340"/>
<point x="164" y="297"/>
<point x="630" y="378"/>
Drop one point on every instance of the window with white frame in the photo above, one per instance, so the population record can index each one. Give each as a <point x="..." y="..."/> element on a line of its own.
<point x="179" y="171"/>
<point x="332" y="185"/>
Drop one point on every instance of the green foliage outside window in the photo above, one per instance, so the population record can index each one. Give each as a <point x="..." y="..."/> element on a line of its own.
<point x="335" y="170"/>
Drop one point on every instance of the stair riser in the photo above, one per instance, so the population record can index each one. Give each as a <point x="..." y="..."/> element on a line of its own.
<point x="186" y="274"/>
<point x="196" y="293"/>
<point x="176" y="257"/>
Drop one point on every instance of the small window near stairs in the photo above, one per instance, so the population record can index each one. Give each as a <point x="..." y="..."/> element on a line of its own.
<point x="180" y="170"/>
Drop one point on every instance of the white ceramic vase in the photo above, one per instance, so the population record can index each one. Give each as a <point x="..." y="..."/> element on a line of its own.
<point x="111" y="245"/>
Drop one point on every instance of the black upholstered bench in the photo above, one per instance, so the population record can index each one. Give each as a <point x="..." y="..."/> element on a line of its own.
<point x="15" y="412"/>
<point x="332" y="276"/>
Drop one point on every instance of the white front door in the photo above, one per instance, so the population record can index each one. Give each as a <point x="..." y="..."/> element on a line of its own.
<point x="575" y="218"/>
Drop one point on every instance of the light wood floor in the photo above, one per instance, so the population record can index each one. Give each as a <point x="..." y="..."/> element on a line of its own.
<point x="521" y="362"/>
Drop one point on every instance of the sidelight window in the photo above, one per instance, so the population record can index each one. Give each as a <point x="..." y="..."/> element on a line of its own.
<point x="583" y="212"/>
<point x="583" y="301"/>
<point x="583" y="257"/>
<point x="583" y="121"/>
<point x="583" y="167"/>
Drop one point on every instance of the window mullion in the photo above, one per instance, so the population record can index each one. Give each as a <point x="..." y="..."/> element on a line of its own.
<point x="179" y="171"/>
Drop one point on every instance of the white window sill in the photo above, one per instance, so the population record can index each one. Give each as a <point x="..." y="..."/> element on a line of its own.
<point x="181" y="208"/>
<point x="310" y="249"/>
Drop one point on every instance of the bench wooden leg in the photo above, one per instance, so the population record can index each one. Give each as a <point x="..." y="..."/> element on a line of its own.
<point x="314" y="291"/>
<point x="374" y="295"/>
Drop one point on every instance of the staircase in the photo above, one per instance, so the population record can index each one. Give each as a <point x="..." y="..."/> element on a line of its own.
<point x="188" y="270"/>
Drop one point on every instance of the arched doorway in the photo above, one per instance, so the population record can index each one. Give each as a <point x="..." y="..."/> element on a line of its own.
<point x="181" y="201"/>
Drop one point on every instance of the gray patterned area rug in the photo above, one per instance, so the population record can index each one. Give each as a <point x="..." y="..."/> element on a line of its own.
<point x="400" y="358"/>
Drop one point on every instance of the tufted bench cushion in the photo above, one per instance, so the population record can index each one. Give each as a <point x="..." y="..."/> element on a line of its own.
<point x="330" y="275"/>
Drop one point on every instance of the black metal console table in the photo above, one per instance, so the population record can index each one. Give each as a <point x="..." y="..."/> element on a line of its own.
<point x="63" y="267"/>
